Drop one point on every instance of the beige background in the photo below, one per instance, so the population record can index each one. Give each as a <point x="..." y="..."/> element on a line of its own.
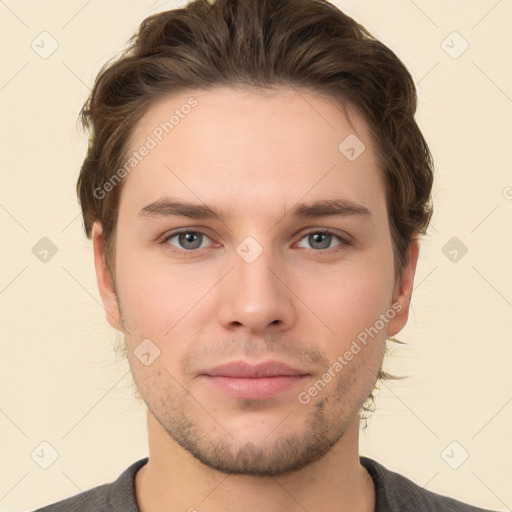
<point x="61" y="381"/>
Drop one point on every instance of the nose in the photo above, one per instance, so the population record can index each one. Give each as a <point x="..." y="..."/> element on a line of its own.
<point x="256" y="296"/>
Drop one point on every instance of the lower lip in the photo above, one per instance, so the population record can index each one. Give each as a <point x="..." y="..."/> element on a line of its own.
<point x="255" y="388"/>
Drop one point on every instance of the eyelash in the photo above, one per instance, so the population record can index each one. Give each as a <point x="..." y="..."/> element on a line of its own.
<point x="344" y="242"/>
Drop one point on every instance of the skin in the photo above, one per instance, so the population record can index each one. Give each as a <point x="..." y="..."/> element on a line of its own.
<point x="253" y="156"/>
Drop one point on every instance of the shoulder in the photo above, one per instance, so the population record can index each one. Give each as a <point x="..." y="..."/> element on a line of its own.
<point x="396" y="493"/>
<point x="118" y="496"/>
<point x="93" y="499"/>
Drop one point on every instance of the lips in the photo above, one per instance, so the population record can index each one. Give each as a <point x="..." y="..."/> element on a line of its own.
<point x="265" y="380"/>
<point x="241" y="369"/>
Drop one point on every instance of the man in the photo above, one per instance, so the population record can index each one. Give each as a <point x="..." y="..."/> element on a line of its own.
<point x="255" y="188"/>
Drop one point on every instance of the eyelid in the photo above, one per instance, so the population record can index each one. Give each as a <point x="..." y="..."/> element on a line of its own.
<point x="345" y="240"/>
<point x="166" y="237"/>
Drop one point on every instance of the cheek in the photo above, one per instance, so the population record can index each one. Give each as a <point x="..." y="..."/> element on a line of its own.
<point x="349" y="300"/>
<point x="157" y="296"/>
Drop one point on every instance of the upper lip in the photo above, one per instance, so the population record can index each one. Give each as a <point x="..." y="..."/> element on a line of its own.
<point x="241" y="369"/>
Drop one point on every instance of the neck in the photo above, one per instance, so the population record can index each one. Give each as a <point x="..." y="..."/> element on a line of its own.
<point x="174" y="480"/>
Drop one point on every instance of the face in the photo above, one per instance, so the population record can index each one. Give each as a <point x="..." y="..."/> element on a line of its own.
<point x="255" y="326"/>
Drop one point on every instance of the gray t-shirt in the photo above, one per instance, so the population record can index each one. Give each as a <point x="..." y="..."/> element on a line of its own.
<point x="393" y="493"/>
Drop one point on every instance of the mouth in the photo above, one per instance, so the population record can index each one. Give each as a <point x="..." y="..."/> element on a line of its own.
<point x="265" y="380"/>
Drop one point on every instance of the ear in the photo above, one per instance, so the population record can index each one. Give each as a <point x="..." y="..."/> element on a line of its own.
<point x="104" y="279"/>
<point x="402" y="291"/>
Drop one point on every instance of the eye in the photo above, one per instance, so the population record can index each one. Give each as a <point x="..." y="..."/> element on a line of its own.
<point x="321" y="240"/>
<point x="188" y="240"/>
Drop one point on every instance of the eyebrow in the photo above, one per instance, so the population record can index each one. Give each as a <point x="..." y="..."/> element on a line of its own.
<point x="168" y="207"/>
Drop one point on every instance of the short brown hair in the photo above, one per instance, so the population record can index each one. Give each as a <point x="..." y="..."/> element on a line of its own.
<point x="260" y="44"/>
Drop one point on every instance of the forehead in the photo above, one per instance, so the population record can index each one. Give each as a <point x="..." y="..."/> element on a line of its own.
<point x="236" y="146"/>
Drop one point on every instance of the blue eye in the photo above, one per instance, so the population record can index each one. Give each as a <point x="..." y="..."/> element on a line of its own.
<point x="187" y="239"/>
<point x="190" y="241"/>
<point x="323" y="238"/>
